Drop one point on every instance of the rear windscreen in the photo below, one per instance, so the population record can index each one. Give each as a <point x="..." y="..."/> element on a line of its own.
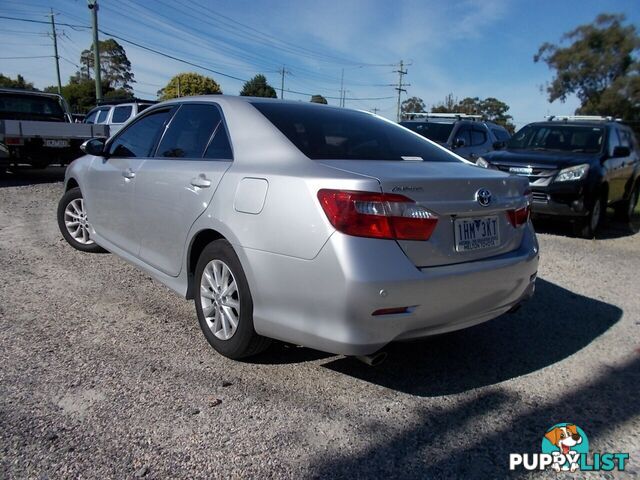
<point x="325" y="133"/>
<point x="30" y="104"/>
<point x="438" y="132"/>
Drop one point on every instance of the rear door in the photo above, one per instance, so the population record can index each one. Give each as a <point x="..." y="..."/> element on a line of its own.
<point x="111" y="180"/>
<point x="177" y="184"/>
<point x="628" y="164"/>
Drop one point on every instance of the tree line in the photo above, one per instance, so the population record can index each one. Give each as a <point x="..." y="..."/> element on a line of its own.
<point x="596" y="62"/>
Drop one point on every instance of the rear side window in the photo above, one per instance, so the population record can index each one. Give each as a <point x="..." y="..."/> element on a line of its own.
<point x="325" y="133"/>
<point x="140" y="137"/>
<point x="478" y="136"/>
<point x="121" y="114"/>
<point x="189" y="131"/>
<point x="220" y="147"/>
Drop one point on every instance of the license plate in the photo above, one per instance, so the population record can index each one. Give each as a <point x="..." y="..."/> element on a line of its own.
<point x="48" y="142"/>
<point x="476" y="233"/>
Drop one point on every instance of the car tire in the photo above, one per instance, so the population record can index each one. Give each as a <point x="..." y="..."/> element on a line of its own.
<point x="587" y="227"/>
<point x="222" y="298"/>
<point x="625" y="210"/>
<point x="72" y="221"/>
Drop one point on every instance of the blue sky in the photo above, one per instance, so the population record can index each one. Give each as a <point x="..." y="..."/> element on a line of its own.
<point x="468" y="48"/>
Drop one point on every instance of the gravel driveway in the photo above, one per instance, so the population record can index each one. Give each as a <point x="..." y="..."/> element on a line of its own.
<point x="105" y="373"/>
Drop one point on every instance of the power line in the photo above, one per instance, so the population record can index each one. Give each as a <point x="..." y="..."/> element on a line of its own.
<point x="22" y="58"/>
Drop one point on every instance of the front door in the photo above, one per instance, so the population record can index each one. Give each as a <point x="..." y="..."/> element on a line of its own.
<point x="112" y="180"/>
<point x="176" y="186"/>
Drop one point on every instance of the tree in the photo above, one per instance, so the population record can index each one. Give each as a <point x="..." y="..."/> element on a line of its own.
<point x="115" y="67"/>
<point x="186" y="84"/>
<point x="81" y="93"/>
<point x="490" y="108"/>
<point x="599" y="66"/>
<point x="19" y="82"/>
<point x="319" y="99"/>
<point x="258" y="87"/>
<point x="412" y="105"/>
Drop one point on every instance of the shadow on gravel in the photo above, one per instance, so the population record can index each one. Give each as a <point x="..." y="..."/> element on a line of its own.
<point x="612" y="228"/>
<point x="555" y="324"/>
<point x="607" y="403"/>
<point x="18" y="177"/>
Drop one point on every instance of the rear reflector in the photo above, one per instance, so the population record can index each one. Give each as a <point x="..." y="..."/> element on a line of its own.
<point x="13" y="141"/>
<point x="520" y="216"/>
<point x="377" y="215"/>
<point x="390" y="311"/>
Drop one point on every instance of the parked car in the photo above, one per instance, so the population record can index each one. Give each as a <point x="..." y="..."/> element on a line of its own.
<point x="36" y="130"/>
<point x="116" y="113"/>
<point x="468" y="135"/>
<point x="320" y="226"/>
<point x="577" y="166"/>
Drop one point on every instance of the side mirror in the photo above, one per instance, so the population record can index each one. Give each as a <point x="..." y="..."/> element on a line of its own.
<point x="498" y="145"/>
<point x="458" y="143"/>
<point x="621" y="151"/>
<point x="94" y="146"/>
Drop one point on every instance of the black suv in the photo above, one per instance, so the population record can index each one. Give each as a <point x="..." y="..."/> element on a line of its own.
<point x="468" y="135"/>
<point x="577" y="166"/>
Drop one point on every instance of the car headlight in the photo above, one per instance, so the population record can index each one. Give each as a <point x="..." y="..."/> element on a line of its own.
<point x="573" y="173"/>
<point x="481" y="162"/>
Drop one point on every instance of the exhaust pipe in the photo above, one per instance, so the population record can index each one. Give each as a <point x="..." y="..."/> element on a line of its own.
<point x="374" y="359"/>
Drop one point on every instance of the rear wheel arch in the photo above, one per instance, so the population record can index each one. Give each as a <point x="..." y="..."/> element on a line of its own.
<point x="198" y="243"/>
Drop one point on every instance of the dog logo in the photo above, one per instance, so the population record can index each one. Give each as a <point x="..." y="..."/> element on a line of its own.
<point x="483" y="197"/>
<point x="565" y="441"/>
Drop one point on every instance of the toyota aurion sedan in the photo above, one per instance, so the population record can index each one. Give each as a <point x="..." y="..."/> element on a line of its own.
<point x="320" y="226"/>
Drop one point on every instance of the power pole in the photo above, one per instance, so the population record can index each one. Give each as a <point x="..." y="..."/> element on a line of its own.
<point x="283" y="71"/>
<point x="375" y="110"/>
<point x="93" y="6"/>
<point x="342" y="89"/>
<point x="399" y="86"/>
<point x="55" y="51"/>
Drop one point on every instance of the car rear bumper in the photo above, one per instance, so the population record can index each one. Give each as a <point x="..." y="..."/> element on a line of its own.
<point x="327" y="303"/>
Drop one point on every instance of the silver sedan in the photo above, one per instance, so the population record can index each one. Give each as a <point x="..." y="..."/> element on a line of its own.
<point x="325" y="227"/>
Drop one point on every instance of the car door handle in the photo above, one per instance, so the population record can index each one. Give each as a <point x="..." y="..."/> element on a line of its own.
<point x="201" y="181"/>
<point x="128" y="174"/>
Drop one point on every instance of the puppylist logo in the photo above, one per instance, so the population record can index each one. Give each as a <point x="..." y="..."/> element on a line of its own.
<point x="565" y="448"/>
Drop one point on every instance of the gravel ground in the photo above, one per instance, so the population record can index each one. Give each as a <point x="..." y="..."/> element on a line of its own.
<point x="105" y="373"/>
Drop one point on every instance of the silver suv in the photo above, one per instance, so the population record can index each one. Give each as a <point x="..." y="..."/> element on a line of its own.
<point x="470" y="136"/>
<point x="115" y="115"/>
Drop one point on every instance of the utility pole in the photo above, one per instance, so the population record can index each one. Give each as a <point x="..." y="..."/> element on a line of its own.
<point x="342" y="89"/>
<point x="55" y="51"/>
<point x="375" y="110"/>
<point x="283" y="71"/>
<point x="399" y="86"/>
<point x="93" y="6"/>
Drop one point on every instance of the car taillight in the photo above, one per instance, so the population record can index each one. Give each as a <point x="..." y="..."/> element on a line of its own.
<point x="520" y="216"/>
<point x="13" y="141"/>
<point x="377" y="215"/>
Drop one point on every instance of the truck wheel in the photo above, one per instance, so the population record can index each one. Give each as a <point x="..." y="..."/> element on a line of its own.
<point x="73" y="224"/>
<point x="587" y="227"/>
<point x="224" y="304"/>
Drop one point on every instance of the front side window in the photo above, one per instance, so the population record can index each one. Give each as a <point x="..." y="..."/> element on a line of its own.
<point x="464" y="133"/>
<point x="140" y="137"/>
<point x="91" y="118"/>
<point x="103" y="113"/>
<point x="121" y="114"/>
<point x="325" y="133"/>
<point x="190" y="131"/>
<point x="501" y="135"/>
<point x="562" y="137"/>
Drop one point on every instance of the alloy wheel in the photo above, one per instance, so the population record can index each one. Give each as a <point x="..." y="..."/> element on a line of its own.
<point x="75" y="220"/>
<point x="220" y="299"/>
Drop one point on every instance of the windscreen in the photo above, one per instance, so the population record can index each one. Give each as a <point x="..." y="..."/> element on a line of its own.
<point x="325" y="133"/>
<point x="438" y="132"/>
<point x="21" y="107"/>
<point x="561" y="137"/>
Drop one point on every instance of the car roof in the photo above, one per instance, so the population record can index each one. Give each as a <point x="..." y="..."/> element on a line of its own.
<point x="575" y="123"/>
<point x="29" y="92"/>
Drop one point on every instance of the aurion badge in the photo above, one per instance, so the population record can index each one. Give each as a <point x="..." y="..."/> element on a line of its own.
<point x="483" y="197"/>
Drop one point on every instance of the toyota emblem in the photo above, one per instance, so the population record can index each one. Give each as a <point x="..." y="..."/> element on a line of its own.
<point x="483" y="196"/>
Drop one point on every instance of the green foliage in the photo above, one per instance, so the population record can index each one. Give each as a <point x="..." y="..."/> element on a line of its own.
<point x="258" y="87"/>
<point x="490" y="108"/>
<point x="189" y="84"/>
<point x="81" y="93"/>
<point x="115" y="67"/>
<point x="319" y="99"/>
<point x="19" y="82"/>
<point x="412" y="105"/>
<point x="599" y="66"/>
